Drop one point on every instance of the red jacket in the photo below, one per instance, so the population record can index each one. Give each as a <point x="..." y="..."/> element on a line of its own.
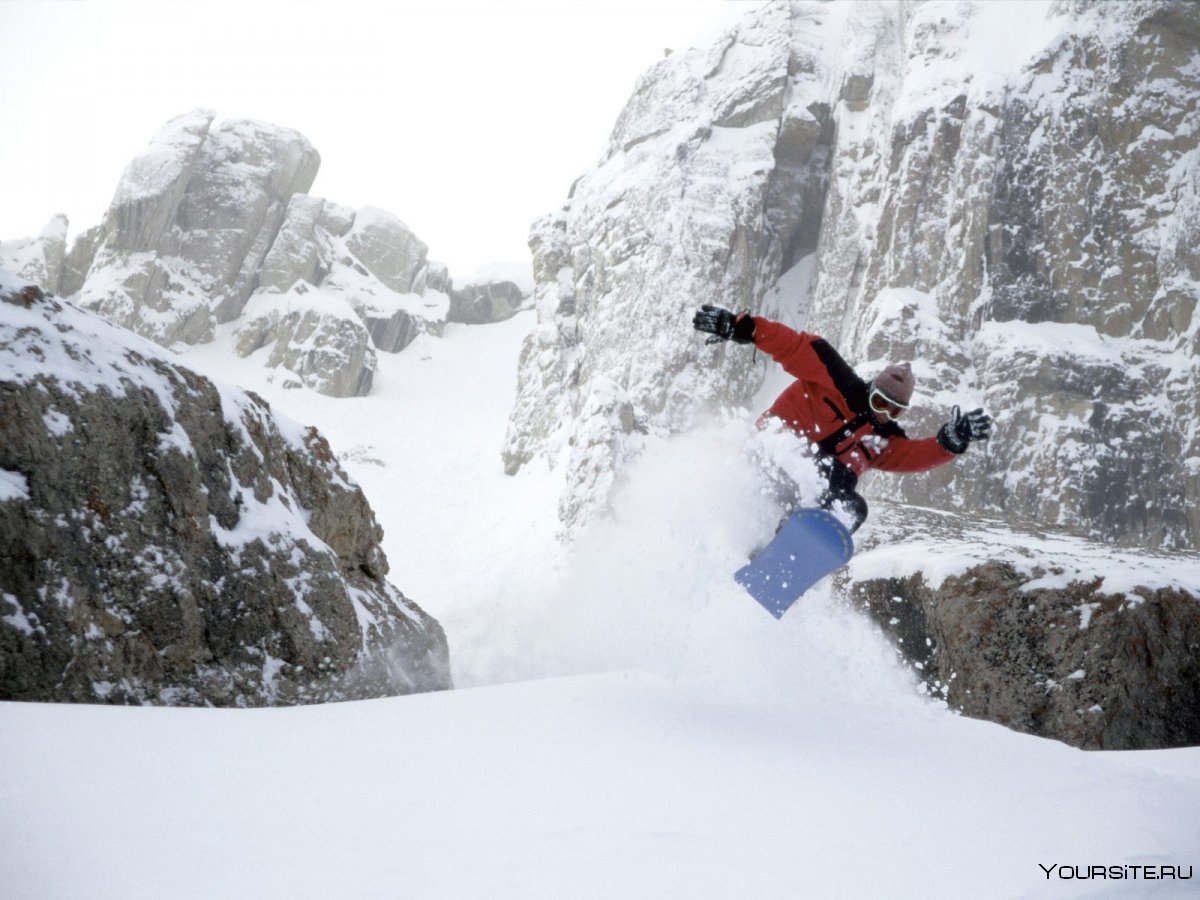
<point x="828" y="404"/>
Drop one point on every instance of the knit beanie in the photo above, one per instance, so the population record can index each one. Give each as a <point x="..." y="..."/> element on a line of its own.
<point x="897" y="383"/>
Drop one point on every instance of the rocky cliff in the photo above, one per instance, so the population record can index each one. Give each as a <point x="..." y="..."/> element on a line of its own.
<point x="686" y="207"/>
<point x="1030" y="238"/>
<point x="1009" y="202"/>
<point x="169" y="540"/>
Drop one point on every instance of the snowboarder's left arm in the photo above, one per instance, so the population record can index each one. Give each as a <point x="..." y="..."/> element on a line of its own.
<point x="903" y="454"/>
<point x="963" y="428"/>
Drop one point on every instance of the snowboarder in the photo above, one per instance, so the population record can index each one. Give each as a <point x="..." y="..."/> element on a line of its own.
<point x="850" y="423"/>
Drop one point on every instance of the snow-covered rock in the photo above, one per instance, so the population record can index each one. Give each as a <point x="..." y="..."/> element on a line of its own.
<point x="336" y="286"/>
<point x="313" y="335"/>
<point x="191" y="221"/>
<point x="480" y="304"/>
<point x="169" y="540"/>
<point x="492" y="293"/>
<point x="1047" y="633"/>
<point x="295" y="254"/>
<point x="381" y="269"/>
<point x="388" y="249"/>
<point x="1008" y="200"/>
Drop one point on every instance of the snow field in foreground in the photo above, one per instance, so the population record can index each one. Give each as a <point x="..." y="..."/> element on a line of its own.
<point x="619" y="785"/>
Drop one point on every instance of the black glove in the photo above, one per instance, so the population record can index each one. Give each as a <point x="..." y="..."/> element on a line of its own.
<point x="724" y="325"/>
<point x="956" y="434"/>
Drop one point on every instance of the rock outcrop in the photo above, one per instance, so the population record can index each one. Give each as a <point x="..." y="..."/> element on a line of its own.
<point x="1050" y="635"/>
<point x="168" y="540"/>
<point x="486" y="302"/>
<point x="336" y="286"/>
<point x="190" y="223"/>
<point x="1023" y="226"/>
<point x="214" y="224"/>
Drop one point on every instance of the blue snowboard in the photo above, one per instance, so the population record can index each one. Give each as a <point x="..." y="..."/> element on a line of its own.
<point x="811" y="544"/>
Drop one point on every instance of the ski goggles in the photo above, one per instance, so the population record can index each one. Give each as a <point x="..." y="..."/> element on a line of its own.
<point x="883" y="405"/>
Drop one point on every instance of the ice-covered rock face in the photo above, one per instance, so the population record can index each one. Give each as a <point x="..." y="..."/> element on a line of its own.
<point x="168" y="540"/>
<point x="1008" y="200"/>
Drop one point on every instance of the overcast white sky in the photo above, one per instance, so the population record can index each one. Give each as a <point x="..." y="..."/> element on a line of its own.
<point x="466" y="118"/>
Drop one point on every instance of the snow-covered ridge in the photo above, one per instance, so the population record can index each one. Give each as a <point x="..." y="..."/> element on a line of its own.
<point x="952" y="544"/>
<point x="739" y="750"/>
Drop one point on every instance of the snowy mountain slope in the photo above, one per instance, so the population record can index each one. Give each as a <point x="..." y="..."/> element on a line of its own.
<point x="701" y="750"/>
<point x="1007" y="199"/>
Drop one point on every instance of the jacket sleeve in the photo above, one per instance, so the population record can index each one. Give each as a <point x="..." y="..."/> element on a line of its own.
<point x="904" y="454"/>
<point x="791" y="349"/>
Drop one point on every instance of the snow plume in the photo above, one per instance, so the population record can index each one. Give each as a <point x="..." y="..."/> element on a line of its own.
<point x="649" y="586"/>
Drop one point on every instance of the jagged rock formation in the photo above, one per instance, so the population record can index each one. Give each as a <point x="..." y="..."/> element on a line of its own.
<point x="211" y="225"/>
<point x="1022" y="224"/>
<point x="1050" y="635"/>
<point x="190" y="223"/>
<point x="168" y="540"/>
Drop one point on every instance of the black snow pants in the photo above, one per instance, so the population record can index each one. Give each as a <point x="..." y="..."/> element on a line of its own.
<point x="841" y="495"/>
<point x="838" y="496"/>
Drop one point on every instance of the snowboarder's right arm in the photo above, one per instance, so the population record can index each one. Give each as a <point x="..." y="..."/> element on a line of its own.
<point x="724" y="325"/>
<point x="794" y="350"/>
<point x="806" y="356"/>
